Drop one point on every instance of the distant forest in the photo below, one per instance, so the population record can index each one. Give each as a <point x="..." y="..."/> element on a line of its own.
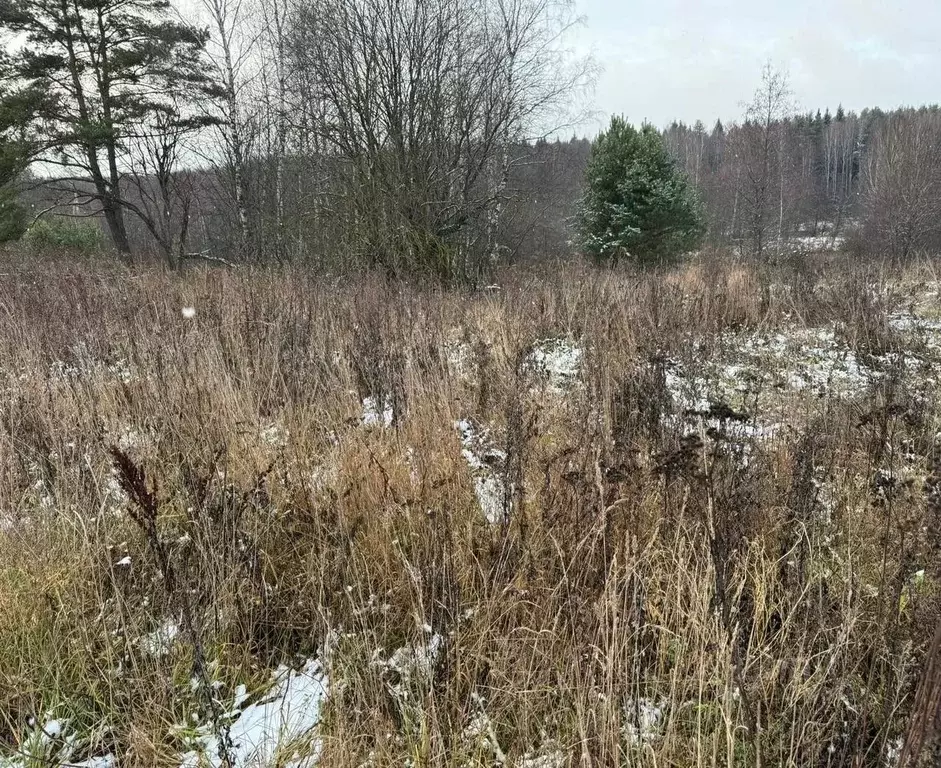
<point x="873" y="176"/>
<point x="876" y="174"/>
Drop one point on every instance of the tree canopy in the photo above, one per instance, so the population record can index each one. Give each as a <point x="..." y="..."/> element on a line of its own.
<point x="92" y="82"/>
<point x="638" y="204"/>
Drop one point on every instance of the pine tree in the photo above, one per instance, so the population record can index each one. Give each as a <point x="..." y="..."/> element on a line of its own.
<point x="638" y="204"/>
<point x="96" y="76"/>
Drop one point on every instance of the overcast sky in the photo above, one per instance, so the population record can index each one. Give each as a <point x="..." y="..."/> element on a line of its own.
<point x="700" y="59"/>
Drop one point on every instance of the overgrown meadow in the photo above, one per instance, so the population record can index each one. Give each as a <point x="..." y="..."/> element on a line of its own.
<point x="264" y="518"/>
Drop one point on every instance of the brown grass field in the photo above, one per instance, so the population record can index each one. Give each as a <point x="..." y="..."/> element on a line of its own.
<point x="636" y="548"/>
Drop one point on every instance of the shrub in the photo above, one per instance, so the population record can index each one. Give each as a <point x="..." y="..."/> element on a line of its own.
<point x="53" y="233"/>
<point x="637" y="203"/>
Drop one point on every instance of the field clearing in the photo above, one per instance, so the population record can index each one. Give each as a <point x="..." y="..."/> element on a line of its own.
<point x="260" y="518"/>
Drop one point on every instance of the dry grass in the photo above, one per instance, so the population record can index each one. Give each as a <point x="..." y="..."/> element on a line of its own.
<point x="650" y="599"/>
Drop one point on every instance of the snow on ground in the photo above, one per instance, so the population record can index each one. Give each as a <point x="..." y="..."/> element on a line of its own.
<point x="744" y="366"/>
<point x="557" y="361"/>
<point x="274" y="435"/>
<point x="280" y="728"/>
<point x="486" y="464"/>
<point x="458" y="354"/>
<point x="53" y="745"/>
<point x="480" y="734"/>
<point x="376" y="413"/>
<point x="160" y="642"/>
<point x="644" y="721"/>
<point x="817" y="243"/>
<point x="413" y="663"/>
<point x="746" y="385"/>
<point x="277" y="728"/>
<point x="84" y="363"/>
<point x="548" y="757"/>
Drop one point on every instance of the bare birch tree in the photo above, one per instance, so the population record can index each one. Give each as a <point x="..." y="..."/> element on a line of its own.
<point x="903" y="184"/>
<point x="762" y="154"/>
<point x="230" y="48"/>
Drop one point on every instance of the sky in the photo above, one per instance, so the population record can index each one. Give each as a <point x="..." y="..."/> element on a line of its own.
<point x="665" y="60"/>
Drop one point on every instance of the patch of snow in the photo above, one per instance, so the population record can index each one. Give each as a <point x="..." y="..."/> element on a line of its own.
<point x="486" y="464"/>
<point x="161" y="640"/>
<point x="376" y="414"/>
<point x="279" y="728"/>
<point x="410" y="662"/>
<point x="274" y="435"/>
<point x="644" y="721"/>
<point x="188" y="313"/>
<point x="53" y="745"/>
<point x="893" y="751"/>
<point x="551" y="757"/>
<point x="480" y="733"/>
<point x="812" y="360"/>
<point x="458" y="354"/>
<point x="113" y="491"/>
<point x="85" y="364"/>
<point x="130" y="440"/>
<point x="558" y="361"/>
<point x="818" y="243"/>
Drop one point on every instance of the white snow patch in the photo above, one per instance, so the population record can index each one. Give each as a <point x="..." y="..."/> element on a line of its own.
<point x="413" y="661"/>
<point x="644" y="721"/>
<point x="819" y="243"/>
<point x="376" y="414"/>
<point x="53" y="745"/>
<point x="161" y="640"/>
<point x="485" y="464"/>
<point x="558" y="361"/>
<point x="893" y="751"/>
<point x="279" y="727"/>
<point x="86" y="364"/>
<point x="130" y="440"/>
<point x="458" y="354"/>
<point x="552" y="757"/>
<point x="795" y="360"/>
<point x="274" y="435"/>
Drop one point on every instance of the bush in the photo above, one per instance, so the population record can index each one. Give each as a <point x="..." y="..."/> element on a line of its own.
<point x="82" y="237"/>
<point x="637" y="203"/>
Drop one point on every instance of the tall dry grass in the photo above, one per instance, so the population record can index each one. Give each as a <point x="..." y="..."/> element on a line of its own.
<point x="650" y="599"/>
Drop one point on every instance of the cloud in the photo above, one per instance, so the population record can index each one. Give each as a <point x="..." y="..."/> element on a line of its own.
<point x="686" y="59"/>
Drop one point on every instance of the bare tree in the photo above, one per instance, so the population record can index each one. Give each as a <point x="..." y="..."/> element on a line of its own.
<point x="762" y="156"/>
<point x="230" y="50"/>
<point x="903" y="183"/>
<point x="159" y="190"/>
<point x="422" y="103"/>
<point x="277" y="106"/>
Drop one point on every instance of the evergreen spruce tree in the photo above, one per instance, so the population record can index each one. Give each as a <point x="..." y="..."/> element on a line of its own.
<point x="94" y="76"/>
<point x="638" y="204"/>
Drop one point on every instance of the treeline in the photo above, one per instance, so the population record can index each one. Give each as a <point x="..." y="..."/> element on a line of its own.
<point x="401" y="135"/>
<point x="873" y="176"/>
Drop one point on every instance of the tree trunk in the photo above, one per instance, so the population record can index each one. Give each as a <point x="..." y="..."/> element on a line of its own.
<point x="114" y="218"/>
